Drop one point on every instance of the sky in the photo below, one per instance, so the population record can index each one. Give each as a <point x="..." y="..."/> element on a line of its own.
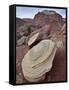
<point x="29" y="12"/>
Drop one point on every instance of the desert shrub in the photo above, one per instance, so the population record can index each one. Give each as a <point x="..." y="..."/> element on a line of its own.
<point x="29" y="30"/>
<point x="25" y="32"/>
<point x="18" y="36"/>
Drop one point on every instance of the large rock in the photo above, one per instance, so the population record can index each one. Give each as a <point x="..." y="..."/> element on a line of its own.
<point x="59" y="37"/>
<point x="47" y="17"/>
<point x="41" y="19"/>
<point x="38" y="60"/>
<point x="33" y="39"/>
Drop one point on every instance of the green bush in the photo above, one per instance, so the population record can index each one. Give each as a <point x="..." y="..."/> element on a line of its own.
<point x="29" y="30"/>
<point x="18" y="36"/>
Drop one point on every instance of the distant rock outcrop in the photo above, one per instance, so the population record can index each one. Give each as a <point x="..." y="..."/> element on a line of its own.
<point x="40" y="19"/>
<point x="47" y="17"/>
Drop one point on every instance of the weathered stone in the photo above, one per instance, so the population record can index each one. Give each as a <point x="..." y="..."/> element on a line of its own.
<point x="33" y="39"/>
<point x="38" y="60"/>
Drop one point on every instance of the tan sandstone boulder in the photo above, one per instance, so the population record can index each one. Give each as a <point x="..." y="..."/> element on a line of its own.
<point x="38" y="60"/>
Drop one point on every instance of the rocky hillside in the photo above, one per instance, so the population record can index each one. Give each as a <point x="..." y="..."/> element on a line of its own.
<point x="47" y="17"/>
<point x="41" y="19"/>
<point x="26" y="26"/>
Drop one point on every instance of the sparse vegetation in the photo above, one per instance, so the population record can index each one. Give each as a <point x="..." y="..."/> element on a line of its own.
<point x="29" y="30"/>
<point x="18" y="36"/>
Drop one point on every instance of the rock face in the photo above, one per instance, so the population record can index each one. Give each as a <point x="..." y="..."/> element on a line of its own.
<point x="40" y="19"/>
<point x="43" y="32"/>
<point x="43" y="18"/>
<point x="33" y="39"/>
<point x="60" y="36"/>
<point x="38" y="60"/>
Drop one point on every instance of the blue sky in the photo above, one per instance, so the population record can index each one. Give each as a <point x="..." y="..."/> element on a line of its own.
<point x="29" y="12"/>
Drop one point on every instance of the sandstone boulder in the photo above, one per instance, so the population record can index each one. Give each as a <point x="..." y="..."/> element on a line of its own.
<point x="38" y="60"/>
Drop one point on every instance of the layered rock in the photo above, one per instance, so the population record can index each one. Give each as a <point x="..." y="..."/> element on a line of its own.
<point x="40" y="19"/>
<point x="43" y="18"/>
<point x="38" y="60"/>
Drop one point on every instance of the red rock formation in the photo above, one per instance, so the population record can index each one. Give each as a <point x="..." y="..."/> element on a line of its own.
<point x="43" y="18"/>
